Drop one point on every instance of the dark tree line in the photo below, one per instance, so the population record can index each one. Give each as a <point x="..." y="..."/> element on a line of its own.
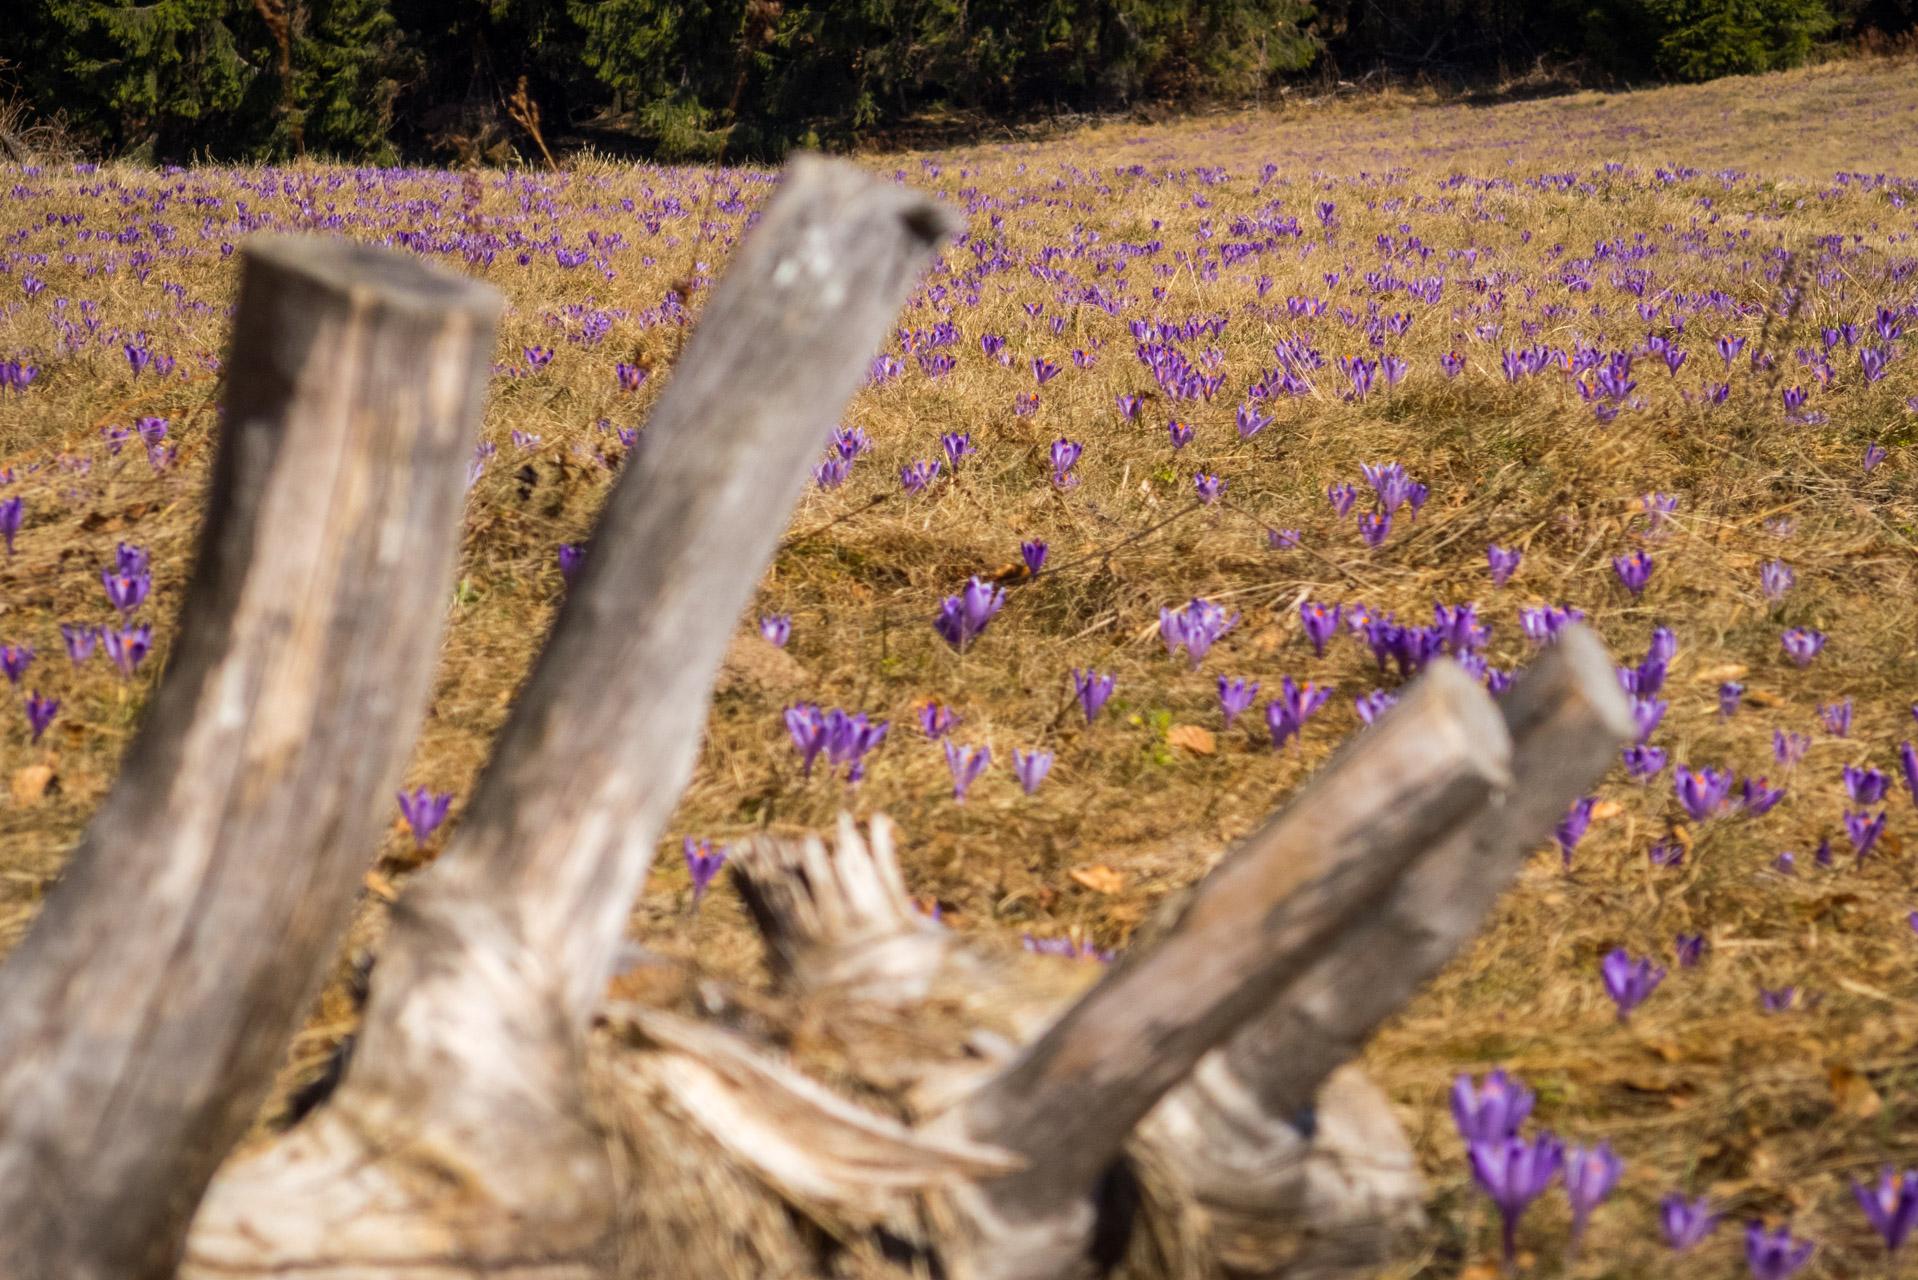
<point x="380" y="79"/>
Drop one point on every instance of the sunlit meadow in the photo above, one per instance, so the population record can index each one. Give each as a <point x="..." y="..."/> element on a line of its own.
<point x="1652" y="359"/>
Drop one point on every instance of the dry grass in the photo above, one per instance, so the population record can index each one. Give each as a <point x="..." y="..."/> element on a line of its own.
<point x="1770" y="1113"/>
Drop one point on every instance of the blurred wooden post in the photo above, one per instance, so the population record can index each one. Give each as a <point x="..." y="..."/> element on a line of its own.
<point x="461" y="1136"/>
<point x="1228" y="1129"/>
<point x="1068" y="1103"/>
<point x="143" y="1016"/>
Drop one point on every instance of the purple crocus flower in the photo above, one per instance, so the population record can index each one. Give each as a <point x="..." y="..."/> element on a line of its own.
<point x="1836" y="717"/>
<point x="965" y="615"/>
<point x="702" y="863"/>
<point x="1802" y="645"/>
<point x="1209" y="487"/>
<point x="1865" y="786"/>
<point x="1034" y="554"/>
<point x="1281" y="539"/>
<point x="1874" y="454"/>
<point x="1092" y="690"/>
<point x="1758" y="799"/>
<point x="915" y="476"/>
<point x="1777" y="1255"/>
<point x="1689" y="949"/>
<point x="1864" y="831"/>
<point x="1503" y="563"/>
<point x="424" y="810"/>
<point x="1298" y="701"/>
<point x="1572" y="827"/>
<point x="937" y="719"/>
<point x="1908" y="764"/>
<point x="807" y="726"/>
<point x="14" y="661"/>
<point x="1703" y="794"/>
<point x="572" y="557"/>
<point x="1065" y="456"/>
<point x="1686" y="1223"/>
<point x="1250" y="421"/>
<point x="1128" y="405"/>
<point x="40" y="713"/>
<point x="1341" y="496"/>
<point x="1666" y="853"/>
<point x="1789" y="748"/>
<point x="1628" y="982"/>
<point x="1513" y="1173"/>
<point x="1180" y="434"/>
<point x="1320" y="623"/>
<point x="1891" y="1207"/>
<point x="957" y="445"/>
<point x="1730" y="694"/>
<point x="1371" y="706"/>
<point x="1590" y="1175"/>
<point x="1647" y="712"/>
<point x="80" y="640"/>
<point x="776" y="628"/>
<point x="1375" y="527"/>
<point x="966" y="764"/>
<point x="1644" y="762"/>
<point x="1776" y="1001"/>
<point x="11" y="510"/>
<point x="1634" y="571"/>
<point x="1775" y="578"/>
<point x="1031" y="768"/>
<point x="1044" y="370"/>
<point x="831" y="473"/>
<point x="128" y="647"/>
<point x="1493" y="1111"/>
<point x="125" y="591"/>
<point x="1235" y="696"/>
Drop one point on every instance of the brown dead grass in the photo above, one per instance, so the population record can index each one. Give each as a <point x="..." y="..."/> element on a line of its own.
<point x="1700" y="1090"/>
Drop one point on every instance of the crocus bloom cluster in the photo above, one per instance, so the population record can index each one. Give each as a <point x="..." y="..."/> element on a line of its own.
<point x="1298" y="701"/>
<point x="1195" y="628"/>
<point x="844" y="739"/>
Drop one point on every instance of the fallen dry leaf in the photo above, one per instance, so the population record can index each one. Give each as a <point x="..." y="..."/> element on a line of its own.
<point x="30" y="783"/>
<point x="1099" y="879"/>
<point x="1605" y="809"/>
<point x="380" y="887"/>
<point x="1193" y="738"/>
<point x="1852" y="1093"/>
<point x="1764" y="698"/>
<point x="1721" y="673"/>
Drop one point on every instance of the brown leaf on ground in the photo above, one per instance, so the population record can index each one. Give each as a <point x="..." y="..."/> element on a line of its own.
<point x="1193" y="738"/>
<point x="1099" y="879"/>
<point x="31" y="783"/>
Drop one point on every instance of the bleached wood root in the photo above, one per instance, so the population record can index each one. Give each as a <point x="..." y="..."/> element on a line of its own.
<point x="469" y="1086"/>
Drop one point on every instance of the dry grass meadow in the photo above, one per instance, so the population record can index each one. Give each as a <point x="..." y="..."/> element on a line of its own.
<point x="1765" y="209"/>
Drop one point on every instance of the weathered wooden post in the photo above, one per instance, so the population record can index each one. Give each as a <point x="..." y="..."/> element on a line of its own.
<point x="142" y="1018"/>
